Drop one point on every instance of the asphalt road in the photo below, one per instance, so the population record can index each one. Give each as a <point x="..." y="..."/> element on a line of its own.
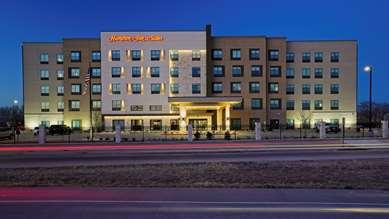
<point x="121" y="157"/>
<point x="45" y="203"/>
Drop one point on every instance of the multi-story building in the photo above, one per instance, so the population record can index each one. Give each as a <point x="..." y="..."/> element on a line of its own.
<point x="169" y="79"/>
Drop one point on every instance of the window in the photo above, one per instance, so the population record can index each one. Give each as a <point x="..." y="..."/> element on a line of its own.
<point x="334" y="104"/>
<point x="136" y="88"/>
<point x="75" y="56"/>
<point x="334" y="88"/>
<point x="290" y="105"/>
<point x="275" y="71"/>
<point x="136" y="108"/>
<point x="290" y="88"/>
<point x="256" y="103"/>
<point x="116" y="105"/>
<point x="318" y="104"/>
<point x="254" y="54"/>
<point x="95" y="72"/>
<point x="116" y="72"/>
<point x="318" y="72"/>
<point x="135" y="71"/>
<point x="217" y="87"/>
<point x="318" y="57"/>
<point x="135" y="55"/>
<point x="76" y="89"/>
<point x="334" y="72"/>
<point x="174" y="125"/>
<point x="60" y="58"/>
<point x="155" y="124"/>
<point x="155" y="55"/>
<point x="74" y="72"/>
<point x="218" y="71"/>
<point x="237" y="71"/>
<point x="115" y="55"/>
<point x="306" y="73"/>
<point x="96" y="105"/>
<point x="44" y="74"/>
<point x="252" y="122"/>
<point x="306" y="104"/>
<point x="154" y="72"/>
<point x="45" y="90"/>
<point x="44" y="58"/>
<point x="273" y="87"/>
<point x="306" y="57"/>
<point x="96" y="56"/>
<point x="236" y="124"/>
<point x="45" y="106"/>
<point x="173" y="55"/>
<point x="290" y="73"/>
<point x="289" y="57"/>
<point x="217" y="54"/>
<point x="196" y="88"/>
<point x="116" y="88"/>
<point x="155" y="107"/>
<point x="334" y="56"/>
<point x="74" y="105"/>
<point x="60" y="74"/>
<point x="76" y="124"/>
<point x="256" y="70"/>
<point x="174" y="73"/>
<point x="254" y="87"/>
<point x="155" y="88"/>
<point x="235" y="54"/>
<point x="238" y="106"/>
<point x="290" y="123"/>
<point x="196" y="55"/>
<point x="196" y="72"/>
<point x="318" y="89"/>
<point x="96" y="88"/>
<point x="275" y="103"/>
<point x="60" y="90"/>
<point x="60" y="106"/>
<point x="274" y="55"/>
<point x="306" y="89"/>
<point x="235" y="87"/>
<point x="174" y="88"/>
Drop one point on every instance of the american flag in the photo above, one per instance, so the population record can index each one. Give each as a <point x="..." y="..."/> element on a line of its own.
<point x="86" y="83"/>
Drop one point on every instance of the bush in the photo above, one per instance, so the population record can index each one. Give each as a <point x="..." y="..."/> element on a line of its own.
<point x="197" y="135"/>
<point x="227" y="135"/>
<point x="209" y="135"/>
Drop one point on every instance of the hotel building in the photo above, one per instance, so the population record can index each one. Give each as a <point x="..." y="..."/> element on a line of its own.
<point x="170" y="79"/>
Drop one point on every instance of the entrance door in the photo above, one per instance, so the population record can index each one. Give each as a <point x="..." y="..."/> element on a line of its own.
<point x="199" y="124"/>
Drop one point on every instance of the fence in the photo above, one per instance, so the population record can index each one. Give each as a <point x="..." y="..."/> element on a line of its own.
<point x="162" y="133"/>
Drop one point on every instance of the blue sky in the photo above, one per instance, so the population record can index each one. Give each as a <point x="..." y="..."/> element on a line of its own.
<point x="365" y="21"/>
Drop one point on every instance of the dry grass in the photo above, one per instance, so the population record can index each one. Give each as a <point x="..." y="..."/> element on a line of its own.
<point x="340" y="174"/>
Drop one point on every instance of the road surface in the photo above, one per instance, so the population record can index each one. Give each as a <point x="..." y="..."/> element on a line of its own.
<point x="196" y="203"/>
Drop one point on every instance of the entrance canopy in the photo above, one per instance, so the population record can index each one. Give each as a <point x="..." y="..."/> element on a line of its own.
<point x="205" y="101"/>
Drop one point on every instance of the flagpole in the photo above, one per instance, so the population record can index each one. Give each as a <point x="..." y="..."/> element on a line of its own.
<point x="90" y="103"/>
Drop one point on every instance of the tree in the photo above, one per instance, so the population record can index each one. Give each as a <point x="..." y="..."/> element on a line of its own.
<point x="378" y="112"/>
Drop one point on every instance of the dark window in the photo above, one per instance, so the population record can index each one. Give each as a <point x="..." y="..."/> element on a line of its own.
<point x="334" y="104"/>
<point x="45" y="90"/>
<point x="136" y="72"/>
<point x="196" y="72"/>
<point x="173" y="55"/>
<point x="235" y="54"/>
<point x="135" y="55"/>
<point x="95" y="72"/>
<point x="334" y="56"/>
<point x="136" y="88"/>
<point x="155" y="55"/>
<point x="290" y="57"/>
<point x="116" y="88"/>
<point x="334" y="72"/>
<point x="334" y="88"/>
<point x="318" y="72"/>
<point x="273" y="87"/>
<point x="254" y="87"/>
<point x="115" y="55"/>
<point x="306" y="73"/>
<point x="174" y="88"/>
<point x="256" y="70"/>
<point x="237" y="71"/>
<point x="236" y="87"/>
<point x="306" y="104"/>
<point x="275" y="103"/>
<point x="96" y="88"/>
<point x="218" y="71"/>
<point x="75" y="56"/>
<point x="96" y="56"/>
<point x="275" y="71"/>
<point x="236" y="124"/>
<point x="254" y="54"/>
<point x="196" y="88"/>
<point x="155" y="88"/>
<point x="306" y="57"/>
<point x="318" y="104"/>
<point x="217" y="87"/>
<point x="252" y="122"/>
<point x="306" y="88"/>
<point x="174" y="72"/>
<point x="154" y="72"/>
<point x="116" y="105"/>
<point x="44" y="58"/>
<point x="290" y="105"/>
<point x="116" y="72"/>
<point x="238" y="106"/>
<point x="256" y="103"/>
<point x="290" y="73"/>
<point x="217" y="54"/>
<point x="274" y="55"/>
<point x="318" y="57"/>
<point x="290" y="89"/>
<point x="318" y="89"/>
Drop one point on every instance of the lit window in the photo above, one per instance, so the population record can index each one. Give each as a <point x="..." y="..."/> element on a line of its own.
<point x="45" y="90"/>
<point x="76" y="89"/>
<point x="60" y="58"/>
<point x="76" y="124"/>
<point x="44" y="58"/>
<point x="60" y="106"/>
<point x="45" y="106"/>
<point x="318" y="104"/>
<point x="174" y="88"/>
<point x="116" y="105"/>
<point x="173" y="55"/>
<point x="96" y="104"/>
<point x="174" y="73"/>
<point x="74" y="72"/>
<point x="44" y="74"/>
<point x="96" y="88"/>
<point x="60" y="74"/>
<point x="196" y="55"/>
<point x="273" y="87"/>
<point x="60" y="90"/>
<point x="74" y="105"/>
<point x="306" y="73"/>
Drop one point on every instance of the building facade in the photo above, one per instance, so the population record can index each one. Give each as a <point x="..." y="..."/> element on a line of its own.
<point x="168" y="79"/>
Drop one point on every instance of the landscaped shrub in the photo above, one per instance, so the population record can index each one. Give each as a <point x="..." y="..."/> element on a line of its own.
<point x="227" y="135"/>
<point x="197" y="135"/>
<point x="209" y="135"/>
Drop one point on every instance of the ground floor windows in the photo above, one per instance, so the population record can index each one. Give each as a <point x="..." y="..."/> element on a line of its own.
<point x="136" y="124"/>
<point x="76" y="124"/>
<point x="252" y="122"/>
<point x="174" y="125"/>
<point x="236" y="124"/>
<point x="155" y="125"/>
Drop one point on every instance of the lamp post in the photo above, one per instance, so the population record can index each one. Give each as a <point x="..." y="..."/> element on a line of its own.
<point x="15" y="103"/>
<point x="369" y="69"/>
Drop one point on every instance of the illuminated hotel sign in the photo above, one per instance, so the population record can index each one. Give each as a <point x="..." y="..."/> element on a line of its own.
<point x="136" y="38"/>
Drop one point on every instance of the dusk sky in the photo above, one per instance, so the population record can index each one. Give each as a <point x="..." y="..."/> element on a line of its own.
<point x="365" y="21"/>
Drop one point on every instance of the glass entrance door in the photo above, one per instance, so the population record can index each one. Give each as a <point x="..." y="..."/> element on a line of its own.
<point x="199" y="124"/>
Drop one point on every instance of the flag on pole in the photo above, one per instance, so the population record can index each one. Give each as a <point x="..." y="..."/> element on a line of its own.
<point x="86" y="83"/>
